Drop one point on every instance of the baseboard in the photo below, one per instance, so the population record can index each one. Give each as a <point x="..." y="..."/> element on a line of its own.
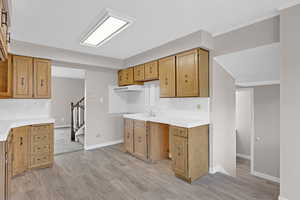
<point x="63" y="126"/>
<point x="243" y="156"/>
<point x="218" y="168"/>
<point x="105" y="144"/>
<point x="267" y="177"/>
<point x="282" y="198"/>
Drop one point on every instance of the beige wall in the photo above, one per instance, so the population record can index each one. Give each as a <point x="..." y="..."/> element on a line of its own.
<point x="267" y="130"/>
<point x="65" y="91"/>
<point x="102" y="128"/>
<point x="223" y="120"/>
<point x="290" y="103"/>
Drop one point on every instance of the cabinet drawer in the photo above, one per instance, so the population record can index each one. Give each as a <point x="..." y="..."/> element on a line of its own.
<point x="40" y="160"/>
<point x="40" y="149"/>
<point x="39" y="138"/>
<point x="181" y="132"/>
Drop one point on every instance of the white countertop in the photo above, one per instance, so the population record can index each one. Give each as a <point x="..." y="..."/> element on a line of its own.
<point x="174" y="121"/>
<point x="6" y="125"/>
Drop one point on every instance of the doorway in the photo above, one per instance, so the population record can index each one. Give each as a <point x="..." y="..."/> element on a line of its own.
<point x="67" y="108"/>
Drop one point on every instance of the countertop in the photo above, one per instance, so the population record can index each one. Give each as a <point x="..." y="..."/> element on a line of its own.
<point x="6" y="125"/>
<point x="174" y="121"/>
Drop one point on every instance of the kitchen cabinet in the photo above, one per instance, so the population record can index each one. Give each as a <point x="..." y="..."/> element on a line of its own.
<point x="140" y="139"/>
<point x="126" y="77"/>
<point x="41" y="146"/>
<point x="158" y="141"/>
<point x="22" y="77"/>
<point x="189" y="152"/>
<point x="25" y="78"/>
<point x="187" y="74"/>
<point x="4" y="33"/>
<point x="128" y="135"/>
<point x="6" y="78"/>
<point x="42" y="78"/>
<point x="167" y="75"/>
<point x="139" y="73"/>
<point x="192" y="73"/>
<point x="6" y="167"/>
<point x="25" y="148"/>
<point x="151" y="71"/>
<point x="148" y="141"/>
<point x="20" y="149"/>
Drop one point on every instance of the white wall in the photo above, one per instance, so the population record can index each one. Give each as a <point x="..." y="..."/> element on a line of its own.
<point x="24" y="108"/>
<point x="65" y="91"/>
<point x="244" y="106"/>
<point x="290" y="103"/>
<point x="267" y="130"/>
<point x="102" y="128"/>
<point x="223" y="121"/>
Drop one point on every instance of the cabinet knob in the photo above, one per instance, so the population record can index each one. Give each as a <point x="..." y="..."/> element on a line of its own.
<point x="22" y="81"/>
<point x="42" y="83"/>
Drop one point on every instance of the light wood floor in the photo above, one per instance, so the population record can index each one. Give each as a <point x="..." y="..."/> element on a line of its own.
<point x="110" y="174"/>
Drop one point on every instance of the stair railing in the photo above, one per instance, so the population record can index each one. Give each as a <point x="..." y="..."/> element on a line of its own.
<point x="77" y="117"/>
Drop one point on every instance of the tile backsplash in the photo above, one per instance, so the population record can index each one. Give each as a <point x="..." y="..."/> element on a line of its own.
<point x="24" y="108"/>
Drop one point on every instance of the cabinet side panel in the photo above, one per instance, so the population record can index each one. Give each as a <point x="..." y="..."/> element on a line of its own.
<point x="2" y="170"/>
<point x="198" y="151"/>
<point x="203" y="73"/>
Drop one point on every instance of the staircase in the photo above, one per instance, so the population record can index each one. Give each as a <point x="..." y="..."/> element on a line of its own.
<point x="77" y="121"/>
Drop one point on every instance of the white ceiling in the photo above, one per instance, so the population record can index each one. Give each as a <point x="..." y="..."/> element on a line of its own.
<point x="253" y="66"/>
<point x="62" y="23"/>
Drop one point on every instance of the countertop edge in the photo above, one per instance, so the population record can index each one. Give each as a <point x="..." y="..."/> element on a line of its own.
<point x="10" y="124"/>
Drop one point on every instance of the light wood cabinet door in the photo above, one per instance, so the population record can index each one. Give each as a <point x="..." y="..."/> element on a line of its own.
<point x="139" y="73"/>
<point x="187" y="74"/>
<point x="22" y="77"/>
<point x="151" y="70"/>
<point x="6" y="78"/>
<point x="121" y="78"/>
<point x="128" y="135"/>
<point x="20" y="150"/>
<point x="9" y="166"/>
<point x="42" y="78"/>
<point x="167" y="77"/>
<point x="128" y="76"/>
<point x="180" y="156"/>
<point x="140" y="139"/>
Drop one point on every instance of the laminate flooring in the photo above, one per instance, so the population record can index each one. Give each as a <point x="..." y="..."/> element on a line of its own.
<point x="110" y="174"/>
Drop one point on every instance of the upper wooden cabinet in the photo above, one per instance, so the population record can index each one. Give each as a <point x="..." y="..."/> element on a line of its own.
<point x="6" y="72"/>
<point x="22" y="77"/>
<point x="139" y="73"/>
<point x="25" y="77"/>
<point x="185" y="74"/>
<point x="167" y="77"/>
<point x="42" y="78"/>
<point x="151" y="70"/>
<point x="4" y="34"/>
<point x="192" y="73"/>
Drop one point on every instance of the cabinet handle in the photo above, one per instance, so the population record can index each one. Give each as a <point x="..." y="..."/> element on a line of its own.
<point x="5" y="14"/>
<point x="42" y="83"/>
<point x="139" y="139"/>
<point x="186" y="81"/>
<point x="22" y="81"/>
<point x="21" y="141"/>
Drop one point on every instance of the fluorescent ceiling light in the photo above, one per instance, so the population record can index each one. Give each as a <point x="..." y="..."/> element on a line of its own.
<point x="108" y="27"/>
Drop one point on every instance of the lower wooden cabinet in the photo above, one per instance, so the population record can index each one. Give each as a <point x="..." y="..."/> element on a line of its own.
<point x="189" y="152"/>
<point x="146" y="140"/>
<point x="26" y="148"/>
<point x="140" y="139"/>
<point x="128" y="135"/>
<point x="20" y="149"/>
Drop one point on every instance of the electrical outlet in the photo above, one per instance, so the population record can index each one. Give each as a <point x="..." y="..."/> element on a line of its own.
<point x="198" y="106"/>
